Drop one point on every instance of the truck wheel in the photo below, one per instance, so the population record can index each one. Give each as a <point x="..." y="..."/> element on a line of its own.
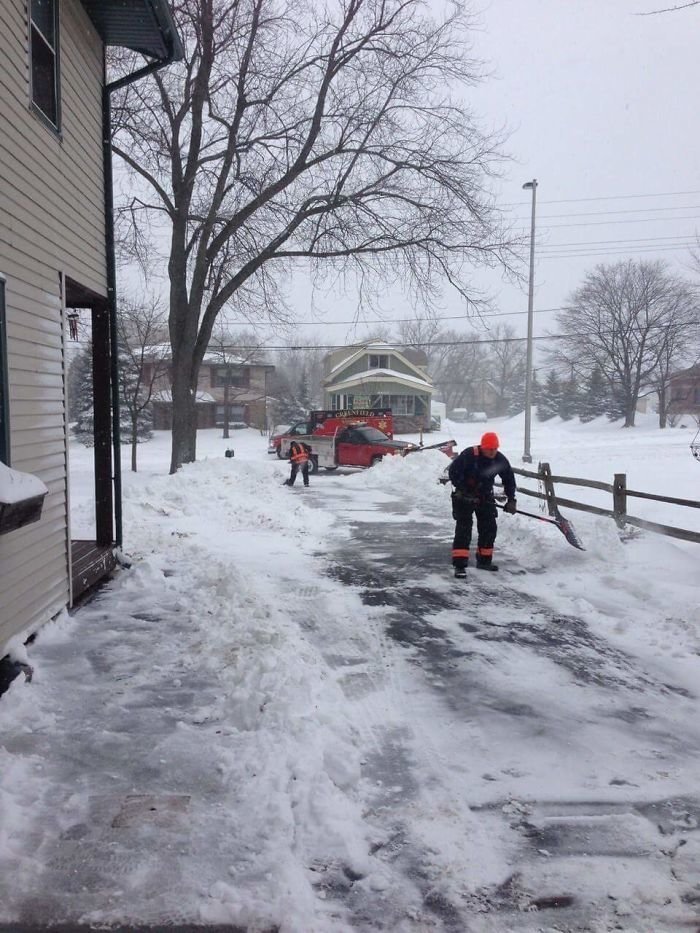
<point x="313" y="464"/>
<point x="330" y="469"/>
<point x="376" y="460"/>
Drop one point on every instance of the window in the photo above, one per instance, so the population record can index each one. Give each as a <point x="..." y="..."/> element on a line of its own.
<point x="378" y="362"/>
<point x="43" y="44"/>
<point x="399" y="404"/>
<point x="4" y="403"/>
<point x="237" y="376"/>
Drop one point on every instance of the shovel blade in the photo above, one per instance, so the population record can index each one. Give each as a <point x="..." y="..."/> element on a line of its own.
<point x="567" y="529"/>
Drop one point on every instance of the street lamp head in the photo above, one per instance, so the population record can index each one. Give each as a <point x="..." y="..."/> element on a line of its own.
<point x="530" y="184"/>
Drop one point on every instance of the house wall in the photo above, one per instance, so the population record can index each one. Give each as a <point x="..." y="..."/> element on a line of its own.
<point x="361" y="365"/>
<point x="685" y="393"/>
<point x="250" y="398"/>
<point x="51" y="222"/>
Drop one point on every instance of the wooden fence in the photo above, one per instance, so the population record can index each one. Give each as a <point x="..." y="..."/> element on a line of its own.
<point x="620" y="494"/>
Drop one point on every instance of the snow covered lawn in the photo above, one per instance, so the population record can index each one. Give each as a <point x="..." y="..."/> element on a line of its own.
<point x="288" y="715"/>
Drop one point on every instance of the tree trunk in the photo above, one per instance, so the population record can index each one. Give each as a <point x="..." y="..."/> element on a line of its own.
<point x="226" y="390"/>
<point x="630" y="412"/>
<point x="184" y="448"/>
<point x="134" y="441"/>
<point x="663" y="408"/>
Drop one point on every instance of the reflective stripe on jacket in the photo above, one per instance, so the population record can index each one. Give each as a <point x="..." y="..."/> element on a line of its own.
<point x="298" y="452"/>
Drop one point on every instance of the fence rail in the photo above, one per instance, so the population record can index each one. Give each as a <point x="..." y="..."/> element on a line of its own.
<point x="620" y="493"/>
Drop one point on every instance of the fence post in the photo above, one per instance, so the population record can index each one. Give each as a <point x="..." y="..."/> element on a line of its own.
<point x="546" y="478"/>
<point x="620" y="498"/>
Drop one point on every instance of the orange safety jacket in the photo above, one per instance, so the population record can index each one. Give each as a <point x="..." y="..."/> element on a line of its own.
<point x="301" y="456"/>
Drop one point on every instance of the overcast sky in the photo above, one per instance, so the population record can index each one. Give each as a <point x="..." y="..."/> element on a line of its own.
<point x="601" y="106"/>
<point x="600" y="103"/>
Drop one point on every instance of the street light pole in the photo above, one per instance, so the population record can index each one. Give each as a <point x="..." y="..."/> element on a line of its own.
<point x="527" y="457"/>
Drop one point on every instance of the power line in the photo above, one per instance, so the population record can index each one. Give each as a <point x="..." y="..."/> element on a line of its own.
<point x="436" y="343"/>
<point x="638" y="210"/>
<point x="613" y="197"/>
<point x="647" y="239"/>
<point x="614" y="252"/>
<point x="604" y="223"/>
<point x="400" y="320"/>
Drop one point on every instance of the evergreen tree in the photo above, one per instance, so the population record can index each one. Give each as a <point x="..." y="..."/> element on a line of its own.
<point x="80" y="401"/>
<point x="593" y="398"/>
<point x="568" y="398"/>
<point x="615" y="404"/>
<point x="550" y="397"/>
<point x="303" y="395"/>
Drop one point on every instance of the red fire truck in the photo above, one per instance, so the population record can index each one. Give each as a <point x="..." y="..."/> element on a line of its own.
<point x="351" y="438"/>
<point x="327" y="422"/>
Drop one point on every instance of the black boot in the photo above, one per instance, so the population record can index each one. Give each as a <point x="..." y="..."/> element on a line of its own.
<point x="485" y="563"/>
<point x="460" y="572"/>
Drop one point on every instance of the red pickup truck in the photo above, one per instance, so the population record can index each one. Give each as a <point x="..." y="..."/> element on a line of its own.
<point x="326" y="422"/>
<point x="355" y="445"/>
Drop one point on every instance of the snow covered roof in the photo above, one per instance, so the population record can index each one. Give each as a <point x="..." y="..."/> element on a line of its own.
<point x="356" y="352"/>
<point x="16" y="486"/>
<point x="374" y="375"/>
<point x="165" y="395"/>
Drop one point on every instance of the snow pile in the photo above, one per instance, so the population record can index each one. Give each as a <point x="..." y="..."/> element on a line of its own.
<point x="16" y="486"/>
<point x="356" y="743"/>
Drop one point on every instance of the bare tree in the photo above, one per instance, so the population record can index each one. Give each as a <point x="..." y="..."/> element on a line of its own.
<point x="506" y="367"/>
<point x="624" y="320"/>
<point x="420" y="333"/>
<point x="234" y="352"/>
<point x="143" y="361"/>
<point x="329" y="133"/>
<point x="457" y="364"/>
<point x="671" y="9"/>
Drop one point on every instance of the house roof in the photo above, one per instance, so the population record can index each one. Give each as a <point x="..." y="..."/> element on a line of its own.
<point x="146" y="26"/>
<point x="360" y="349"/>
<point x="378" y="375"/>
<point x="165" y="395"/>
<point x="691" y="371"/>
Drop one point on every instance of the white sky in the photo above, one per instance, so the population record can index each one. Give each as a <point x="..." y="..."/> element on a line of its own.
<point x="600" y="105"/>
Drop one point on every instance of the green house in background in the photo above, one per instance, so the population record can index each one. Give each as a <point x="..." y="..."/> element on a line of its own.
<point x="377" y="375"/>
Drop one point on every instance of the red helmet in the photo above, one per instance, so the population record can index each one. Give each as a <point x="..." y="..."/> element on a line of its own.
<point x="490" y="441"/>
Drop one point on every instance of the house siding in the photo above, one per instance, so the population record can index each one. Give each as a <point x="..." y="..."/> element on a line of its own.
<point x="51" y="223"/>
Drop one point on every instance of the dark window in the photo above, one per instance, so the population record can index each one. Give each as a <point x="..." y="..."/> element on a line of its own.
<point x="43" y="41"/>
<point x="4" y="403"/>
<point x="378" y="362"/>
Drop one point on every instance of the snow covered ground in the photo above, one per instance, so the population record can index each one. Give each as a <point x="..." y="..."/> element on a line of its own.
<point x="288" y="715"/>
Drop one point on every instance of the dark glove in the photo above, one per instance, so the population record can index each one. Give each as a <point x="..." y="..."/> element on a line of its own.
<point x="511" y="507"/>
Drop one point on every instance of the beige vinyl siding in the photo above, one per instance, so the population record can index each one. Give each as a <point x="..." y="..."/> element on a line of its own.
<point x="51" y="222"/>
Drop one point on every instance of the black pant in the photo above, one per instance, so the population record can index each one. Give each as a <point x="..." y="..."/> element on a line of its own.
<point x="463" y="512"/>
<point x="304" y="467"/>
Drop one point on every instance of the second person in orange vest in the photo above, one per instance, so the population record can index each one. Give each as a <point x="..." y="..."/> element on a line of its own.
<point x="299" y="454"/>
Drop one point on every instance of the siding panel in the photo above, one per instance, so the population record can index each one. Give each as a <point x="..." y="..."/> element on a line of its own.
<point x="51" y="222"/>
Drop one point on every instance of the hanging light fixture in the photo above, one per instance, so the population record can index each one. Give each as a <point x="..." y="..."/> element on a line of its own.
<point x="73" y="316"/>
<point x="695" y="445"/>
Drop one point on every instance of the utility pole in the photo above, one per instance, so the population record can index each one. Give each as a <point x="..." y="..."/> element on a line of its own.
<point x="527" y="456"/>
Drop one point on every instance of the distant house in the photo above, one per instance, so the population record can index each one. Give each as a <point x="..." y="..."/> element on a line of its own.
<point x="229" y="388"/>
<point x="55" y="222"/>
<point x="377" y="375"/>
<point x="684" y="389"/>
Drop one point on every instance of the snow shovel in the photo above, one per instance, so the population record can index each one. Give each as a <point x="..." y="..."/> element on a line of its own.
<point x="440" y="446"/>
<point x="563" y="524"/>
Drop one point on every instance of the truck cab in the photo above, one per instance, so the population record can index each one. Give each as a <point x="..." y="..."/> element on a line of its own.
<point x="362" y="445"/>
